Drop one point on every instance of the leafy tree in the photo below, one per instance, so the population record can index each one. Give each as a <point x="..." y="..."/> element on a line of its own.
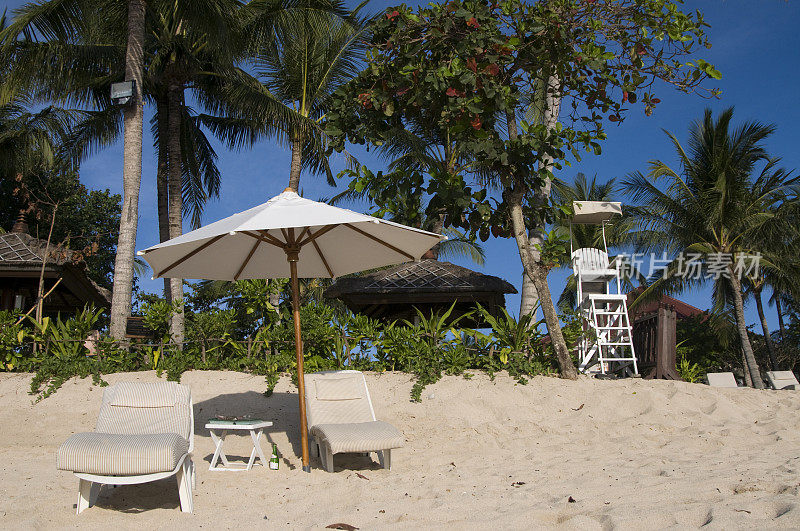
<point x="714" y="203"/>
<point x="472" y="69"/>
<point x="86" y="220"/>
<point x="406" y="204"/>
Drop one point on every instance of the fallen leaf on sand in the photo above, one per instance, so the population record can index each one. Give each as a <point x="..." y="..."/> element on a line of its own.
<point x="346" y="527"/>
<point x="362" y="476"/>
<point x="571" y="499"/>
<point x="578" y="408"/>
<point x="517" y="484"/>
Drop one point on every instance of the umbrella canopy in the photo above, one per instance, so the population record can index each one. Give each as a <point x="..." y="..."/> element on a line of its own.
<point x="331" y="242"/>
<point x="289" y="236"/>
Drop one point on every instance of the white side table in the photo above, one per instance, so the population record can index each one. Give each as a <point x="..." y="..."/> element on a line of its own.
<point x="218" y="432"/>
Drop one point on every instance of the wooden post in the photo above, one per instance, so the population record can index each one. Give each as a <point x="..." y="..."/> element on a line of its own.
<point x="292" y="255"/>
<point x="666" y="345"/>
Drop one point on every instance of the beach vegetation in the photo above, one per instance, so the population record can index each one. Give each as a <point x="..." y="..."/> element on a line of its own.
<point x="432" y="345"/>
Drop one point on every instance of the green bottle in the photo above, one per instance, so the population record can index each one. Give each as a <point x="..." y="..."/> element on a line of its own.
<point x="274" y="463"/>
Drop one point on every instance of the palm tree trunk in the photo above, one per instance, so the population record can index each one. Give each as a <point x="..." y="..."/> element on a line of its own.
<point x="779" y="309"/>
<point x="552" y="108"/>
<point x="773" y="360"/>
<point x="175" y="104"/>
<point x="131" y="175"/>
<point x="162" y="181"/>
<point x="297" y="162"/>
<point x="741" y="325"/>
<point x="746" y="370"/>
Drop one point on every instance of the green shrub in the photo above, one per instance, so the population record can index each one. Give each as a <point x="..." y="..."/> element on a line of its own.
<point x="217" y="339"/>
<point x="13" y="338"/>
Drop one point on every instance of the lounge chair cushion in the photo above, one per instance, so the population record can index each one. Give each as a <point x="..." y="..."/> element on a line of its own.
<point x="115" y="454"/>
<point x="358" y="436"/>
<point x="143" y="394"/>
<point x="146" y="408"/>
<point x="344" y="388"/>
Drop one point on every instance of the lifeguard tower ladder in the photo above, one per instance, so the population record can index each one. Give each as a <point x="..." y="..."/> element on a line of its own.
<point x="607" y="342"/>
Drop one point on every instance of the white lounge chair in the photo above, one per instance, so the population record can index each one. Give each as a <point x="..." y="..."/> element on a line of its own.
<point x="144" y="432"/>
<point x="783" y="380"/>
<point x="341" y="418"/>
<point x="721" y="379"/>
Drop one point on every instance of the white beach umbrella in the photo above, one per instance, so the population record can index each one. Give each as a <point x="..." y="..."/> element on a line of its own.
<point x="289" y="237"/>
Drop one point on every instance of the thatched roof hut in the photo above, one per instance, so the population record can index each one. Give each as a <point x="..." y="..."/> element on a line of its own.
<point x="21" y="257"/>
<point x="430" y="285"/>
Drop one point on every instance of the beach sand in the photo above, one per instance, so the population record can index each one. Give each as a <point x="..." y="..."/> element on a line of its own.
<point x="632" y="454"/>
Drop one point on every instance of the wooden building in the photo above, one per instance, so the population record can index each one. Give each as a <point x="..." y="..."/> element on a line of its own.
<point x="21" y="257"/>
<point x="429" y="285"/>
<point x="655" y="335"/>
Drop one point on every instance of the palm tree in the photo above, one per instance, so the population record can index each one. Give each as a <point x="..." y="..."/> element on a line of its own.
<point x="779" y="268"/>
<point x="301" y="57"/>
<point x="714" y="204"/>
<point x="65" y="22"/>
<point x="186" y="44"/>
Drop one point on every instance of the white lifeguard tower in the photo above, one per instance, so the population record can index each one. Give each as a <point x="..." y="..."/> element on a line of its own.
<point x="607" y="342"/>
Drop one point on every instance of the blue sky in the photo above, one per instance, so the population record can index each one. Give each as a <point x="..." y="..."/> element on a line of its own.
<point x="756" y="46"/>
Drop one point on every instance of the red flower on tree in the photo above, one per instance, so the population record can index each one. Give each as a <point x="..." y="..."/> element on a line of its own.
<point x="393" y="15"/>
<point x="476" y="122"/>
<point x="454" y="93"/>
<point x="473" y="23"/>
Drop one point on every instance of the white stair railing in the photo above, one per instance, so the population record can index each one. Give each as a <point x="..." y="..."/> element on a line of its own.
<point x="608" y="337"/>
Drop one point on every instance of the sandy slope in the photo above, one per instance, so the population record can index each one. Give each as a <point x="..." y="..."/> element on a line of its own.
<point x="638" y="454"/>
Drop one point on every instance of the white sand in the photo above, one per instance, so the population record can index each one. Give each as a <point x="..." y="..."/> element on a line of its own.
<point x="637" y="455"/>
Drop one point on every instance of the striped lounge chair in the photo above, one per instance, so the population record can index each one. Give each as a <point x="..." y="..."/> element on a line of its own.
<point x="341" y="418"/>
<point x="145" y="432"/>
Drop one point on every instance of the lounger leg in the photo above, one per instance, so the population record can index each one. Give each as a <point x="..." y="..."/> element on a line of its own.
<point x="185" y="486"/>
<point x="385" y="458"/>
<point x="328" y="461"/>
<point x="84" y="495"/>
<point x="194" y="474"/>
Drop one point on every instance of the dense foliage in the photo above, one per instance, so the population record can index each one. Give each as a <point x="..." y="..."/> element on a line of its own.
<point x="332" y="339"/>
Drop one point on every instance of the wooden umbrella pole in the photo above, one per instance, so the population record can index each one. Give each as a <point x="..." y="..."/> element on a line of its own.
<point x="292" y="257"/>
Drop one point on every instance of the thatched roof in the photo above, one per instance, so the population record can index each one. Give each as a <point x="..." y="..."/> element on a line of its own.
<point x="428" y="285"/>
<point x="425" y="276"/>
<point x="21" y="257"/>
<point x="20" y="248"/>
